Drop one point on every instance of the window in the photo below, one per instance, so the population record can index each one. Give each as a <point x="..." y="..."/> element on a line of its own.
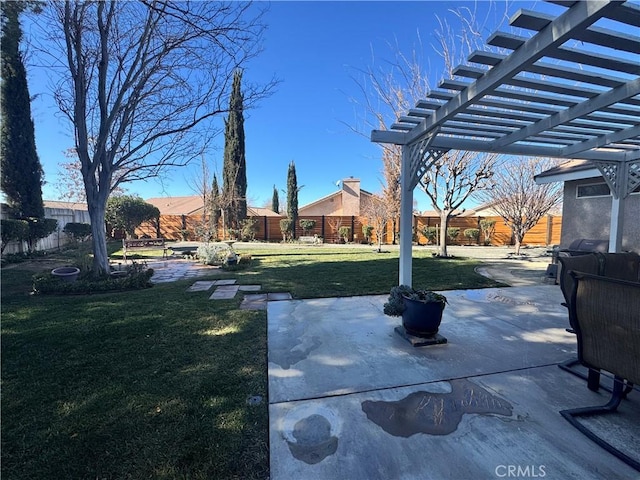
<point x="593" y="190"/>
<point x="598" y="190"/>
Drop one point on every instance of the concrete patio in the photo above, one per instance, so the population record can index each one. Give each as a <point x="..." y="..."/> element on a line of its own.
<point x="350" y="399"/>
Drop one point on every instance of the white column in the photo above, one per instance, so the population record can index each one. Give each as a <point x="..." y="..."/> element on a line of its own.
<point x="617" y="223"/>
<point x="406" y="218"/>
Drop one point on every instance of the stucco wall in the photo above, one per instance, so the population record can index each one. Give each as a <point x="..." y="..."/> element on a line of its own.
<point x="351" y="196"/>
<point x="329" y="206"/>
<point x="590" y="217"/>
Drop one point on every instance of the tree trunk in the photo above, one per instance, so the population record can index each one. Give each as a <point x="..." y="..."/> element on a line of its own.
<point x="444" y="223"/>
<point x="98" y="237"/>
<point x="518" y="241"/>
<point x="394" y="226"/>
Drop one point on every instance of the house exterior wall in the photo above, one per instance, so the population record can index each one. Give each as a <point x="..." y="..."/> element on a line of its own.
<point x="329" y="206"/>
<point x="591" y="217"/>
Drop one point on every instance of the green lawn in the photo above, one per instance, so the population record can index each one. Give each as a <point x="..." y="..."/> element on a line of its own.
<point x="312" y="272"/>
<point x="154" y="383"/>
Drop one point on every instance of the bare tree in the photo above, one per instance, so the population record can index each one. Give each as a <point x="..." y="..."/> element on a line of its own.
<point x="144" y="80"/>
<point x="391" y="156"/>
<point x="378" y="213"/>
<point x="517" y="198"/>
<point x="335" y="222"/>
<point x="201" y="185"/>
<point x="390" y="91"/>
<point x="451" y="181"/>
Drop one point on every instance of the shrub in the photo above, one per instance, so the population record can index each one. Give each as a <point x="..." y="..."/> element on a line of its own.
<point x="248" y="229"/>
<point x="213" y="253"/>
<point x="367" y="230"/>
<point x="13" y="230"/>
<point x="344" y="233"/>
<point x="14" y="258"/>
<point x="244" y="261"/>
<point x="452" y="233"/>
<point x="136" y="279"/>
<point x="286" y="225"/>
<point x="307" y="225"/>
<point x="431" y="234"/>
<point x="488" y="227"/>
<point x="40" y="228"/>
<point x="78" y="232"/>
<point x="472" y="234"/>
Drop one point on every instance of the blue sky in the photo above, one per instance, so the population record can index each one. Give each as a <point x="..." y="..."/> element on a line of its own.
<point x="316" y="50"/>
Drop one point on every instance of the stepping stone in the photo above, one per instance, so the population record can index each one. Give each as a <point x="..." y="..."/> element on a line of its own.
<point x="224" y="292"/>
<point x="228" y="281"/>
<point x="201" y="286"/>
<point x="254" y="302"/>
<point x="250" y="288"/>
<point x="279" y="296"/>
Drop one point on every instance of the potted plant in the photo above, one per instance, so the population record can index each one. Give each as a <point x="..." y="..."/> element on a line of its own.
<point x="421" y="310"/>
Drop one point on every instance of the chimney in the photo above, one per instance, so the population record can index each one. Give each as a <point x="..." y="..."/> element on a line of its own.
<point x="351" y="196"/>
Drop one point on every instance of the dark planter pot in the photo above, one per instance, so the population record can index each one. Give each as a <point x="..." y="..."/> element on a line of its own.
<point x="422" y="319"/>
<point x="66" y="274"/>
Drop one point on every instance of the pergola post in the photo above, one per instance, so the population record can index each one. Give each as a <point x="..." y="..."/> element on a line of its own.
<point x="622" y="178"/>
<point x="617" y="223"/>
<point x="406" y="216"/>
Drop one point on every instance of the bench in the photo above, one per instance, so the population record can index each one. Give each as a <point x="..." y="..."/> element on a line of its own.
<point x="606" y="316"/>
<point x="143" y="244"/>
<point x="313" y="239"/>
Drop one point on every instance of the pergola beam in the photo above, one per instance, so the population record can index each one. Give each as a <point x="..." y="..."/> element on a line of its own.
<point x="581" y="15"/>
<point x="578" y="111"/>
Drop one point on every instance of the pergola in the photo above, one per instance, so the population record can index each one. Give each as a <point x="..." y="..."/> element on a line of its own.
<point x="570" y="90"/>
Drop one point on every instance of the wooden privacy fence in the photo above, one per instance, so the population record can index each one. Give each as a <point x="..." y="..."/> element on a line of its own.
<point x="185" y="227"/>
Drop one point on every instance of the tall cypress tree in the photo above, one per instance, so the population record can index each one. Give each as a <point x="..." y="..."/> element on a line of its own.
<point x="292" y="197"/>
<point x="275" y="200"/>
<point x="20" y="169"/>
<point x="234" y="171"/>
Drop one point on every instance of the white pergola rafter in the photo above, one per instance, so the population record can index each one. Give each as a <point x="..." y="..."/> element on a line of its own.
<point x="570" y="90"/>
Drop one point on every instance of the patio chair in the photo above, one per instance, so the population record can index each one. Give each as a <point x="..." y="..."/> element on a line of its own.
<point x="589" y="263"/>
<point x="623" y="266"/>
<point x="606" y="316"/>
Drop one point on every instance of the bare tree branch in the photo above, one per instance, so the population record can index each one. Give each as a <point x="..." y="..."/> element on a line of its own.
<point x="388" y="92"/>
<point x="517" y="198"/>
<point x="140" y="83"/>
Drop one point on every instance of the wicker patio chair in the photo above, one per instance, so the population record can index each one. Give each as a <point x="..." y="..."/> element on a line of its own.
<point x="623" y="266"/>
<point x="589" y="263"/>
<point x="606" y="316"/>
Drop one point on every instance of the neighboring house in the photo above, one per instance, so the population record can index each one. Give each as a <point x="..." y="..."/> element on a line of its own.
<point x="193" y="205"/>
<point x="349" y="200"/>
<point x="587" y="203"/>
<point x="182" y="217"/>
